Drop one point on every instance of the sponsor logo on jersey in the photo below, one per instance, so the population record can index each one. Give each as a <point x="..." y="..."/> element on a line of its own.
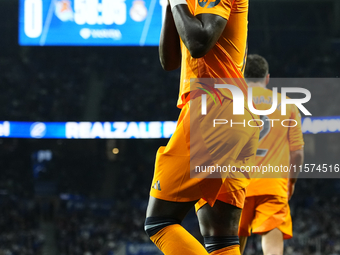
<point x="208" y="3"/>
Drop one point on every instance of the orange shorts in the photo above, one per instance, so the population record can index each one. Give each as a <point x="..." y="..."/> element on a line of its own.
<point x="235" y="198"/>
<point x="264" y="213"/>
<point x="196" y="140"/>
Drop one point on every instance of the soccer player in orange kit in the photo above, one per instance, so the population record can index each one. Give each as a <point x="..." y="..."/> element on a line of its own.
<point x="207" y="39"/>
<point x="266" y="209"/>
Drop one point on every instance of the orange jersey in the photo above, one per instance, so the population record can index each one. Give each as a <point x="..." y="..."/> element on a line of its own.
<point x="227" y="58"/>
<point x="275" y="144"/>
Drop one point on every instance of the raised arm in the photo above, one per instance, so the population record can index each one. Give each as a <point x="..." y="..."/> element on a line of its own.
<point x="169" y="45"/>
<point x="199" y="33"/>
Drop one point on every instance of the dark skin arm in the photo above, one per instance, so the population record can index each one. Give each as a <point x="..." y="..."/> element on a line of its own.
<point x="199" y="33"/>
<point x="296" y="159"/>
<point x="169" y="45"/>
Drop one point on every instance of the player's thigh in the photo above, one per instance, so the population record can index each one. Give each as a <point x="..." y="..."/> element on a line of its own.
<point x="167" y="209"/>
<point x="220" y="220"/>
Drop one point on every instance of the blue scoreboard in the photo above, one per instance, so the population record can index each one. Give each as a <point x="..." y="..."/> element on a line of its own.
<point x="90" y="22"/>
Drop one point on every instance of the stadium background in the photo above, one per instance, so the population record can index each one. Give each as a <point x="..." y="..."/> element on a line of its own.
<point x="78" y="197"/>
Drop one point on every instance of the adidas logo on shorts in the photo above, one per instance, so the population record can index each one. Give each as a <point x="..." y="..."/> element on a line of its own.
<point x="157" y="185"/>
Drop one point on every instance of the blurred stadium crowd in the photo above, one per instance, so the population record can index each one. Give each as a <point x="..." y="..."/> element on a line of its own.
<point x="98" y="227"/>
<point x="42" y="86"/>
<point x="19" y="224"/>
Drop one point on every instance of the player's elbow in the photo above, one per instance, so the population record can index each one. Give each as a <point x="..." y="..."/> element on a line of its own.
<point x="199" y="48"/>
<point x="197" y="54"/>
<point x="199" y="43"/>
<point x="198" y="51"/>
<point x="170" y="65"/>
<point x="170" y="60"/>
<point x="165" y="65"/>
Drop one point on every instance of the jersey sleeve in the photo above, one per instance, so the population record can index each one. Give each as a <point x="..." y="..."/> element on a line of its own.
<point x="295" y="136"/>
<point x="218" y="7"/>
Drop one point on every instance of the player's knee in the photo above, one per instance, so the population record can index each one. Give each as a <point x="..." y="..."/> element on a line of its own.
<point x="153" y="225"/>
<point x="214" y="223"/>
<point x="214" y="243"/>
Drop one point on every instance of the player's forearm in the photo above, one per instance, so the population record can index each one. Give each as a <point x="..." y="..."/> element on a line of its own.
<point x="296" y="160"/>
<point x="169" y="45"/>
<point x="197" y="38"/>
